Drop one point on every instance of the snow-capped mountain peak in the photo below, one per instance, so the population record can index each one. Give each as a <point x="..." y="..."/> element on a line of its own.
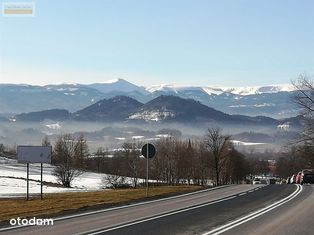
<point x="173" y="88"/>
<point x="117" y="85"/>
<point x="214" y="90"/>
<point x="259" y="89"/>
<point x="114" y="81"/>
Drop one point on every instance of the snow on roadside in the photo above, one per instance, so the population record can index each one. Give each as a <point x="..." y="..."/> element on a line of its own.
<point x="11" y="183"/>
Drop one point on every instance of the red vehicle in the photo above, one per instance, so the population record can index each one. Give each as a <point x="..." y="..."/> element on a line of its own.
<point x="298" y="178"/>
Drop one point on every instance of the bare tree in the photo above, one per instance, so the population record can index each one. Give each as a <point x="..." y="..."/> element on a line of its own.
<point x="201" y="170"/>
<point x="132" y="154"/>
<point x="164" y="164"/>
<point x="305" y="95"/>
<point x="305" y="100"/>
<point x="2" y="149"/>
<point x="45" y="141"/>
<point x="81" y="152"/>
<point x="65" y="155"/>
<point x="114" y="181"/>
<point x="291" y="162"/>
<point x="185" y="161"/>
<point x="217" y="144"/>
<point x="99" y="159"/>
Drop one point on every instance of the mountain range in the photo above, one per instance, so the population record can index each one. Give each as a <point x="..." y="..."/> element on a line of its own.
<point x="272" y="101"/>
<point x="163" y="109"/>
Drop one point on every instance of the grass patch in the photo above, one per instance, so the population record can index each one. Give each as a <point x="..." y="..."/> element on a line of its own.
<point x="60" y="203"/>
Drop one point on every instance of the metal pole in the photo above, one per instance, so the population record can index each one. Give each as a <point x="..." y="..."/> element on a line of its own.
<point x="27" y="182"/>
<point x="41" y="181"/>
<point x="147" y="171"/>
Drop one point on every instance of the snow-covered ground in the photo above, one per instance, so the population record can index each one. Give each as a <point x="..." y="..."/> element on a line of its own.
<point x="238" y="143"/>
<point x="13" y="183"/>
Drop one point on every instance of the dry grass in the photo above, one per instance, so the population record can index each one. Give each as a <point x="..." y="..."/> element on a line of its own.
<point x="58" y="203"/>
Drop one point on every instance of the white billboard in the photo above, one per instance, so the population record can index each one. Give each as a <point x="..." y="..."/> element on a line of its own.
<point x="34" y="154"/>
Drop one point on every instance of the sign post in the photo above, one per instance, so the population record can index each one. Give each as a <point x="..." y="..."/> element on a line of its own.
<point x="148" y="151"/>
<point x="147" y="171"/>
<point x="41" y="181"/>
<point x="34" y="154"/>
<point x="27" y="181"/>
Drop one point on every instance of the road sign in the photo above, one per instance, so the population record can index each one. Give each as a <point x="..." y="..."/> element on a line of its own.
<point x="34" y="154"/>
<point x="148" y="151"/>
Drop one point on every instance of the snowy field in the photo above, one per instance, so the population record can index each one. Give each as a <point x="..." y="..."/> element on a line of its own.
<point x="11" y="184"/>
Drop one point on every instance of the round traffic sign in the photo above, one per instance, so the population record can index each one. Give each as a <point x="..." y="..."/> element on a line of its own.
<point x="148" y="151"/>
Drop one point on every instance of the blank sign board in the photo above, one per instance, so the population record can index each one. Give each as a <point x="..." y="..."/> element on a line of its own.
<point x="34" y="154"/>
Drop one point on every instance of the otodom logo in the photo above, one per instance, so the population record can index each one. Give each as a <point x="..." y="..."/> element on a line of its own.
<point x="32" y="221"/>
<point x="18" y="8"/>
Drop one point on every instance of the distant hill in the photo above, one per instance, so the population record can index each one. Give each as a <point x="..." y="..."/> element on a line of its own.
<point x="114" y="109"/>
<point x="174" y="108"/>
<point x="51" y="114"/>
<point x="163" y="109"/>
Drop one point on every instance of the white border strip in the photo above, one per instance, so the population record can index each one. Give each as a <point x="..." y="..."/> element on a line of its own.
<point x="121" y="207"/>
<point x="99" y="231"/>
<point x="251" y="216"/>
<point x="103" y="230"/>
<point x="137" y="204"/>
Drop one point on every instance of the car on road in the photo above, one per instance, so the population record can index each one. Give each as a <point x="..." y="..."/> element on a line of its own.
<point x="293" y="179"/>
<point x="260" y="181"/>
<point x="264" y="181"/>
<point x="307" y="176"/>
<point x="288" y="180"/>
<point x="257" y="181"/>
<point x="298" y="177"/>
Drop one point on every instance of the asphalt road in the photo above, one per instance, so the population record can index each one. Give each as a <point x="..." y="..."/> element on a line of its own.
<point x="293" y="218"/>
<point x="192" y="214"/>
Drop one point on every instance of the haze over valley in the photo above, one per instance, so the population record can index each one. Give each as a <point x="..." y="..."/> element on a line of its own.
<point x="116" y="111"/>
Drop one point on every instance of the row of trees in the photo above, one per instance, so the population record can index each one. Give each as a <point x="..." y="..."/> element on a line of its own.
<point x="301" y="154"/>
<point x="196" y="162"/>
<point x="212" y="158"/>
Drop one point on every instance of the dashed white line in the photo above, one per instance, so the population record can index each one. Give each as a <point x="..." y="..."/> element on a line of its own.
<point x="251" y="216"/>
<point x="142" y="203"/>
<point x="119" y="207"/>
<point x="93" y="232"/>
<point x="100" y="231"/>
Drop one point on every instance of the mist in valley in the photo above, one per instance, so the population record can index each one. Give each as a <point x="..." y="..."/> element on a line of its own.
<point x="113" y="135"/>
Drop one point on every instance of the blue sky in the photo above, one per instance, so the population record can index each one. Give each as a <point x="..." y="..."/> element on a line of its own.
<point x="199" y="42"/>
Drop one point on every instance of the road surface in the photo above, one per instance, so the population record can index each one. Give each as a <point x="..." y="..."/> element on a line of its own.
<point x="199" y="213"/>
<point x="293" y="218"/>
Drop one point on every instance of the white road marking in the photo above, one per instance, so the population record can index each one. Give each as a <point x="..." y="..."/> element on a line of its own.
<point x="251" y="216"/>
<point x="100" y="230"/>
<point x="95" y="232"/>
<point x="138" y="204"/>
<point x="119" y="207"/>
